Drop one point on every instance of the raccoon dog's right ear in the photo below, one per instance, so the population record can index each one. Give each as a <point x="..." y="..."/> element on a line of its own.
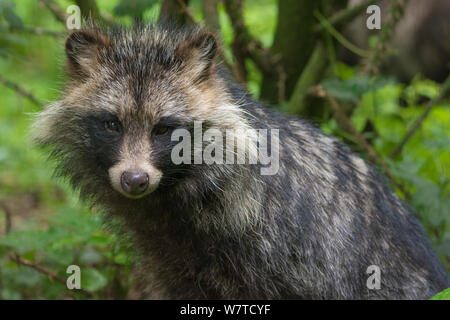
<point x="198" y="53"/>
<point x="82" y="48"/>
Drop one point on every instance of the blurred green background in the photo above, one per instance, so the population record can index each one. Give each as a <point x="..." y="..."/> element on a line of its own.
<point x="43" y="227"/>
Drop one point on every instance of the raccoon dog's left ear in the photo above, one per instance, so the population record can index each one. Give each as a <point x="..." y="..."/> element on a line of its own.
<point x="198" y="53"/>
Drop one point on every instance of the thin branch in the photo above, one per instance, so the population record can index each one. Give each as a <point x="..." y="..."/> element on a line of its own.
<point x="58" y="13"/>
<point x="211" y="16"/>
<point x="35" y="31"/>
<point x="444" y="92"/>
<point x="185" y="10"/>
<point x="282" y="77"/>
<point x="89" y="9"/>
<point x="49" y="273"/>
<point x="241" y="36"/>
<point x="310" y="76"/>
<point x="212" y="23"/>
<point x="245" y="45"/>
<point x="348" y="126"/>
<point x="176" y="10"/>
<point x="382" y="50"/>
<point x="8" y="218"/>
<point x="21" y="91"/>
<point x="344" y="16"/>
<point x="339" y="37"/>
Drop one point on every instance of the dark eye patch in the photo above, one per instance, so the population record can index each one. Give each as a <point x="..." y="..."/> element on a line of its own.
<point x="105" y="116"/>
<point x="104" y="145"/>
<point x="160" y="129"/>
<point x="103" y="121"/>
<point x="170" y="122"/>
<point x="166" y="125"/>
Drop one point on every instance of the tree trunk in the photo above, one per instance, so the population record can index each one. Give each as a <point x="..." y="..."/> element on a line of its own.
<point x="293" y="44"/>
<point x="211" y="16"/>
<point x="177" y="11"/>
<point x="89" y="9"/>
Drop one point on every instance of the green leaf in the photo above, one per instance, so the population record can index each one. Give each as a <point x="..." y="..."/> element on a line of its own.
<point x="92" y="279"/>
<point x="390" y="128"/>
<point x="121" y="258"/>
<point x="353" y="89"/>
<point x="344" y="71"/>
<point x="90" y="256"/>
<point x="9" y="294"/>
<point x="342" y="89"/>
<point x="421" y="87"/>
<point x="444" y="295"/>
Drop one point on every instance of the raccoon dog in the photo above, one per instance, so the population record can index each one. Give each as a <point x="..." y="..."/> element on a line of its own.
<point x="312" y="230"/>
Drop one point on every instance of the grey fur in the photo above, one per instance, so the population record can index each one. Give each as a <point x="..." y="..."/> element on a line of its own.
<point x="224" y="231"/>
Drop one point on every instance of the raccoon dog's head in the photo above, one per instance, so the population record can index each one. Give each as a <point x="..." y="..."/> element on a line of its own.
<point x="127" y="91"/>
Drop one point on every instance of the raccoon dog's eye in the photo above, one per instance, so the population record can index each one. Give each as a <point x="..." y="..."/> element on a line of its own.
<point x="112" y="125"/>
<point x="159" y="130"/>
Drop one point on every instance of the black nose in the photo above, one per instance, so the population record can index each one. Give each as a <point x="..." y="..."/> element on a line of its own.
<point x="134" y="183"/>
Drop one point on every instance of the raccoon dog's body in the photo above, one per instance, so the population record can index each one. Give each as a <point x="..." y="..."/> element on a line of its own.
<point x="310" y="231"/>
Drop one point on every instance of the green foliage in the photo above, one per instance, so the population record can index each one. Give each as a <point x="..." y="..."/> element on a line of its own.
<point x="354" y="88"/>
<point x="73" y="236"/>
<point x="9" y="14"/>
<point x="444" y="295"/>
<point x="50" y="228"/>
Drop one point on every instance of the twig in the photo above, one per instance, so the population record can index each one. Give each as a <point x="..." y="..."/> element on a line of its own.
<point x="348" y="126"/>
<point x="49" y="273"/>
<point x="380" y="52"/>
<point x="281" y="84"/>
<point x="339" y="37"/>
<point x="7" y="212"/>
<point x="21" y="91"/>
<point x="344" y="16"/>
<point x="211" y="15"/>
<point x="241" y="37"/>
<point x="310" y="76"/>
<point x="35" y="31"/>
<point x="445" y="90"/>
<point x="245" y="45"/>
<point x="89" y="9"/>
<point x="58" y="13"/>
<point x="176" y="10"/>
<point x="185" y="10"/>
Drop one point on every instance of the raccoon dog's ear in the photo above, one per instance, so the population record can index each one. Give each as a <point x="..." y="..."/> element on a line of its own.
<point x="82" y="48"/>
<point x="198" y="53"/>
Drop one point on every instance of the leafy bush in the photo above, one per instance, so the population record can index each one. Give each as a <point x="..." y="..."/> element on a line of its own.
<point x="444" y="295"/>
<point x="73" y="236"/>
